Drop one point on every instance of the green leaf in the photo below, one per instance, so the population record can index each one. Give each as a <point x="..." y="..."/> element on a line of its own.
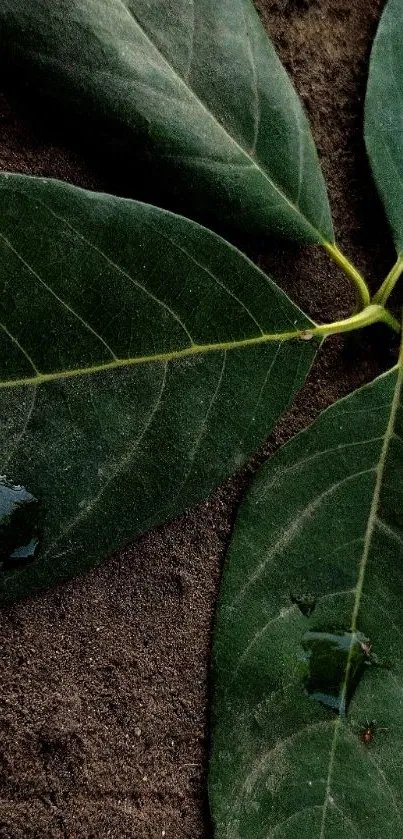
<point x="137" y="367"/>
<point x="310" y="620"/>
<point x="383" y="115"/>
<point x="199" y="83"/>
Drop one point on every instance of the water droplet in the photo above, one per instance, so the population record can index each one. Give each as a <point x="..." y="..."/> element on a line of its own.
<point x="336" y="662"/>
<point x="19" y="525"/>
<point x="305" y="602"/>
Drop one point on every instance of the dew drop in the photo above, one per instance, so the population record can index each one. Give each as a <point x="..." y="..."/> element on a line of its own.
<point x="19" y="525"/>
<point x="336" y="662"/>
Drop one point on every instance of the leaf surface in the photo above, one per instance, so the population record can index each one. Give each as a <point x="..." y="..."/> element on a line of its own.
<point x="315" y="562"/>
<point x="200" y="83"/>
<point x="383" y="115"/>
<point x="137" y="368"/>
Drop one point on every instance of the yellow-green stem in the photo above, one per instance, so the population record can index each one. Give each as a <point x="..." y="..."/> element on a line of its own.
<point x="389" y="282"/>
<point x="371" y="314"/>
<point x="361" y="289"/>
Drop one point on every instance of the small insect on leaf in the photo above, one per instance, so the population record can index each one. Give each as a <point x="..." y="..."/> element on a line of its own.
<point x="368" y="731"/>
<point x="371" y="657"/>
<point x="366" y="648"/>
<point x="306" y="335"/>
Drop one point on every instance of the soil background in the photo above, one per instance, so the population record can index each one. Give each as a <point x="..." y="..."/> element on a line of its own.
<point x="104" y="681"/>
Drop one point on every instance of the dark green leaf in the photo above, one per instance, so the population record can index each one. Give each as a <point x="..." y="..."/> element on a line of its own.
<point x="199" y="82"/>
<point x="383" y="115"/>
<point x="308" y="709"/>
<point x="137" y="366"/>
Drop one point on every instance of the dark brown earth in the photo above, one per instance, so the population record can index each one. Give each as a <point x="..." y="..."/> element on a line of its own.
<point x="104" y="682"/>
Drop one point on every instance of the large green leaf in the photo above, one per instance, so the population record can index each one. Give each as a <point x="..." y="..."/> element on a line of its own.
<point x="199" y="82"/>
<point x="314" y="577"/>
<point x="137" y="367"/>
<point x="383" y="115"/>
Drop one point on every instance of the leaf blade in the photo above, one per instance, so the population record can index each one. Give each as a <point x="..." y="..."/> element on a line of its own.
<point x="321" y="534"/>
<point x="217" y="110"/>
<point x="88" y="279"/>
<point x="382" y="115"/>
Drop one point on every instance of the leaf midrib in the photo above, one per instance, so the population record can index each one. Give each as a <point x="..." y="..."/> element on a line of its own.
<point x="251" y="161"/>
<point x="174" y="355"/>
<point x="117" y="362"/>
<point x="372" y="519"/>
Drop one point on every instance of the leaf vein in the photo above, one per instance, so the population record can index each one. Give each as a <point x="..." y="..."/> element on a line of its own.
<point x="372" y="519"/>
<point x="123" y="463"/>
<point x="207" y="270"/>
<point x="57" y="297"/>
<point x="118" y="268"/>
<point x="277" y="189"/>
<point x="294" y="527"/>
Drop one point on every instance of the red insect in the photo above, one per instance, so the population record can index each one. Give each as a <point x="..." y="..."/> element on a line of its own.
<point x="367" y="733"/>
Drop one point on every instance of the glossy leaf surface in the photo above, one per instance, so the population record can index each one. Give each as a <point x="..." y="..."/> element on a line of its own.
<point x="383" y="115"/>
<point x="199" y="83"/>
<point x="137" y="368"/>
<point x="308" y="702"/>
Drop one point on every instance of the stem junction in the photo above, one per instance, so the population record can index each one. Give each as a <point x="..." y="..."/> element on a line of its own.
<point x="361" y="289"/>
<point x="389" y="282"/>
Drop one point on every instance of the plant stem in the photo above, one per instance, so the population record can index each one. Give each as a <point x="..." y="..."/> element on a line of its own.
<point x="361" y="288"/>
<point x="389" y="283"/>
<point x="371" y="314"/>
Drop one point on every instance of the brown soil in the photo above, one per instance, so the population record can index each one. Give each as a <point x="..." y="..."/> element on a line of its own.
<point x="104" y="682"/>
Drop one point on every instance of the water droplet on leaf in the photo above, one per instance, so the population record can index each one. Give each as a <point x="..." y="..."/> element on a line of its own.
<point x="336" y="663"/>
<point x="19" y="525"/>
